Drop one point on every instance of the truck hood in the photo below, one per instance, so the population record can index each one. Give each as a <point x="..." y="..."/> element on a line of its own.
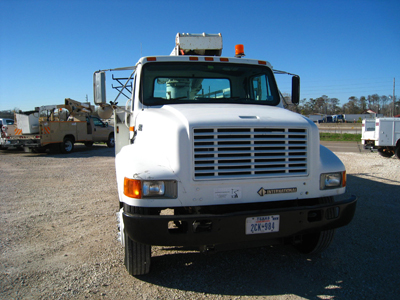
<point x="233" y="115"/>
<point x="166" y="132"/>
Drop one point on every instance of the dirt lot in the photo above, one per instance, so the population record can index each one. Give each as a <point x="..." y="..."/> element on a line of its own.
<point x="58" y="240"/>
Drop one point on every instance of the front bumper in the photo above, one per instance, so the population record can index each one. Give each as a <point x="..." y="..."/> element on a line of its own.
<point x="230" y="228"/>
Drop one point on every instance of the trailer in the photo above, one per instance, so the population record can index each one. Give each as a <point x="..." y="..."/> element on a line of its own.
<point x="316" y="118"/>
<point x="354" y="118"/>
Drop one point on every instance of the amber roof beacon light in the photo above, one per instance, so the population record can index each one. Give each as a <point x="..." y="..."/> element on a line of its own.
<point x="239" y="51"/>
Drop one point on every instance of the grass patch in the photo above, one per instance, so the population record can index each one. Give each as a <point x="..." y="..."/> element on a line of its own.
<point x="338" y="137"/>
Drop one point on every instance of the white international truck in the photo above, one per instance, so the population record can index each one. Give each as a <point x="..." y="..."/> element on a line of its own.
<point x="208" y="156"/>
<point x="56" y="127"/>
<point x="382" y="135"/>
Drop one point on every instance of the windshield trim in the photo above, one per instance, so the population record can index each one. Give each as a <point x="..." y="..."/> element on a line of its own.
<point x="259" y="69"/>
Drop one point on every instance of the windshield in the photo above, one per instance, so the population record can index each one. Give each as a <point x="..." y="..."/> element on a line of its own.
<point x="171" y="83"/>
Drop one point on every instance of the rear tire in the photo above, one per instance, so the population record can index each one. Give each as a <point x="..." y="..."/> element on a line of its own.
<point x="317" y="242"/>
<point x="385" y="152"/>
<point x="67" y="146"/>
<point x="397" y="151"/>
<point x="39" y="150"/>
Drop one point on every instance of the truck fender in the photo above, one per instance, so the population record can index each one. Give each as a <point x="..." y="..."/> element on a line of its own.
<point x="329" y="162"/>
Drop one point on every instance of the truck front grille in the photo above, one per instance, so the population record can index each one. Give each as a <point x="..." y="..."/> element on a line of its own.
<point x="233" y="153"/>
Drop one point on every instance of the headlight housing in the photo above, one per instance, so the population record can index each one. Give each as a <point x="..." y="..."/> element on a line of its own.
<point x="332" y="180"/>
<point x="139" y="189"/>
<point x="153" y="188"/>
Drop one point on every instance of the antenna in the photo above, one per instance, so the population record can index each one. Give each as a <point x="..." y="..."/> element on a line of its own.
<point x="394" y="86"/>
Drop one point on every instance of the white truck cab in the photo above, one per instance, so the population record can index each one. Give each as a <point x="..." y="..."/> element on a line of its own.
<point x="207" y="156"/>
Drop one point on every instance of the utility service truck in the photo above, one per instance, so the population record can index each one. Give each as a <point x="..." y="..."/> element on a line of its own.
<point x="208" y="156"/>
<point x="57" y="127"/>
<point x="383" y="135"/>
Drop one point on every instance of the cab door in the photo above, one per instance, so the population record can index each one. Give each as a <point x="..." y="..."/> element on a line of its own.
<point x="100" y="131"/>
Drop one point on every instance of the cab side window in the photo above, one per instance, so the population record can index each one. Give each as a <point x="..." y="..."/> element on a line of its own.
<point x="98" y="122"/>
<point x="261" y="88"/>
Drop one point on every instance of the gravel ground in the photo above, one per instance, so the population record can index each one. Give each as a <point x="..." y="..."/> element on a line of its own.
<point x="58" y="240"/>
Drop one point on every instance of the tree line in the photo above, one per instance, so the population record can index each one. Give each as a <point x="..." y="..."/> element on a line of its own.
<point x="323" y="105"/>
<point x="331" y="106"/>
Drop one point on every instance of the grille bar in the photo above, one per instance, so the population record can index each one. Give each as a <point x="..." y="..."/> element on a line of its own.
<point x="247" y="145"/>
<point x="275" y="139"/>
<point x="199" y="159"/>
<point x="250" y="169"/>
<point x="249" y="164"/>
<point x="250" y="152"/>
<point x="224" y="153"/>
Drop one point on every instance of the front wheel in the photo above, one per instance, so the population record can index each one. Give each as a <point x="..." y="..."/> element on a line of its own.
<point x="111" y="141"/>
<point x="317" y="242"/>
<point x="137" y="256"/>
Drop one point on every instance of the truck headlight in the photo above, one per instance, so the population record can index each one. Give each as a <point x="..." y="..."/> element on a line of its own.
<point x="332" y="180"/>
<point x="139" y="189"/>
<point x="153" y="188"/>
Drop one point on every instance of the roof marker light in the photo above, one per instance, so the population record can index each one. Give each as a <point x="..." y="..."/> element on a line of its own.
<point x="151" y="59"/>
<point x="224" y="59"/>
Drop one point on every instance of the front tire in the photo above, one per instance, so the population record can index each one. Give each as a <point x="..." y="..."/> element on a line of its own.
<point x="137" y="256"/>
<point x="317" y="242"/>
<point x="111" y="141"/>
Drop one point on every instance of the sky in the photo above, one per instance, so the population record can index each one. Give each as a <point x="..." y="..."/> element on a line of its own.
<point x="50" y="49"/>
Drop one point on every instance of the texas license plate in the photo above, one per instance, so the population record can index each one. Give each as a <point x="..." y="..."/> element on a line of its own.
<point x="264" y="224"/>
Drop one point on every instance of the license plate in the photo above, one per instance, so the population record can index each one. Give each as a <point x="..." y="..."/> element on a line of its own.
<point x="263" y="224"/>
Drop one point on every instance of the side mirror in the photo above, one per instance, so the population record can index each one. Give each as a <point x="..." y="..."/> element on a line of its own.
<point x="295" y="89"/>
<point x="99" y="87"/>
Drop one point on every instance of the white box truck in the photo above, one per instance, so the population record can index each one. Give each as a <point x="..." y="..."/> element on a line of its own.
<point x="207" y="156"/>
<point x="385" y="138"/>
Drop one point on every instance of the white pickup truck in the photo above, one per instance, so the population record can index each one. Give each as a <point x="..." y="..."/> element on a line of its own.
<point x="208" y="156"/>
<point x="382" y="135"/>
